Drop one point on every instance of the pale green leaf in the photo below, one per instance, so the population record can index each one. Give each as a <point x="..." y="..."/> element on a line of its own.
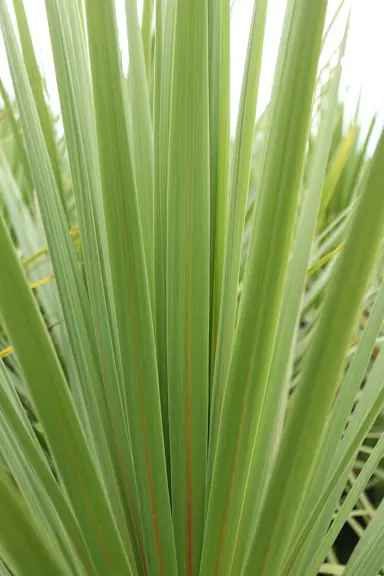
<point x="22" y="534"/>
<point x="131" y="290"/>
<point x="188" y="281"/>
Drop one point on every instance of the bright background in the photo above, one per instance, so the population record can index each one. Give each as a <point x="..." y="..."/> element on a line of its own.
<point x="363" y="65"/>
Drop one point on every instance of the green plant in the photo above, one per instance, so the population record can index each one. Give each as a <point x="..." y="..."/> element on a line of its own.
<point x="177" y="401"/>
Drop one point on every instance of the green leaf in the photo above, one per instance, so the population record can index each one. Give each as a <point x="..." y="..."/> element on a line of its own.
<point x="208" y="402"/>
<point x="276" y="397"/>
<point x="22" y="534"/>
<point x="236" y="214"/>
<point x="336" y="424"/>
<point x="88" y="394"/>
<point x="79" y="123"/>
<point x="336" y="169"/>
<point x="219" y="139"/>
<point x="164" y="52"/>
<point x="25" y="460"/>
<point x="317" y="386"/>
<point x="362" y="420"/>
<point x="50" y="394"/>
<point x="368" y="556"/>
<point x="141" y="141"/>
<point x="319" y="379"/>
<point x="36" y="83"/>
<point x="262" y="293"/>
<point x="3" y="570"/>
<point x="188" y="281"/>
<point x="146" y="31"/>
<point x="348" y="504"/>
<point x="17" y="136"/>
<point x="131" y="290"/>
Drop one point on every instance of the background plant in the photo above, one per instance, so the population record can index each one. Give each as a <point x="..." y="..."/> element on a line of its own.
<point x="192" y="382"/>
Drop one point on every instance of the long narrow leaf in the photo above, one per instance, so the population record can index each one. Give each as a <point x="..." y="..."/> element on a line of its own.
<point x="236" y="215"/>
<point x="219" y="126"/>
<point x="75" y="91"/>
<point x="264" y="279"/>
<point x="317" y="387"/>
<point x="39" y="478"/>
<point x="165" y="32"/>
<point x="21" y="534"/>
<point x="270" y="429"/>
<point x="50" y="394"/>
<point x="368" y="557"/>
<point x="131" y="290"/>
<point x="88" y="394"/>
<point x="142" y="136"/>
<point x="348" y="504"/>
<point x="188" y="281"/>
<point x="36" y="82"/>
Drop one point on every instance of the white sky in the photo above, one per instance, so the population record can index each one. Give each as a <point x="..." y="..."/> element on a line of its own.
<point x="363" y="64"/>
